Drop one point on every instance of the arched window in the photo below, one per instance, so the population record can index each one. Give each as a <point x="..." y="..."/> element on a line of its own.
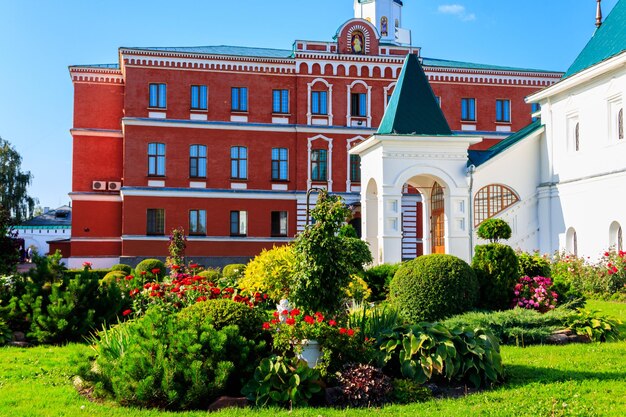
<point x="571" y="242"/>
<point x="491" y="200"/>
<point x="615" y="237"/>
<point x="577" y="137"/>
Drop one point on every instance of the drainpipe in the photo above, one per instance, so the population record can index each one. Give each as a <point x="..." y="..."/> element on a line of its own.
<point x="470" y="174"/>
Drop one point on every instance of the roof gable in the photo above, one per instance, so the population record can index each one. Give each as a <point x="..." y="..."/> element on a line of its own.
<point x="479" y="157"/>
<point x="608" y="40"/>
<point x="413" y="108"/>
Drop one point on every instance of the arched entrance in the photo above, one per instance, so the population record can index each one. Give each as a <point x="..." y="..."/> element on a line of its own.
<point x="437" y="219"/>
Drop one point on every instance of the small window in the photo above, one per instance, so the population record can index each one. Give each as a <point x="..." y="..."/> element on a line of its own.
<point x="197" y="222"/>
<point x="238" y="223"/>
<point x="155" y="222"/>
<point x="620" y="124"/>
<point x="319" y="165"/>
<point x="239" y="99"/>
<point x="491" y="200"/>
<point x="156" y="159"/>
<point x="503" y="111"/>
<point x="239" y="162"/>
<point x="280" y="164"/>
<point x="358" y="104"/>
<point x="158" y="96"/>
<point x="279" y="223"/>
<point x="615" y="237"/>
<point x="198" y="97"/>
<point x="577" y="137"/>
<point x="468" y="109"/>
<point x="280" y="101"/>
<point x="319" y="102"/>
<point x="197" y="161"/>
<point x="571" y="242"/>
<point x="355" y="168"/>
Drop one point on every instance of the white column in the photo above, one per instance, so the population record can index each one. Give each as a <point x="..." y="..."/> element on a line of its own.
<point x="390" y="225"/>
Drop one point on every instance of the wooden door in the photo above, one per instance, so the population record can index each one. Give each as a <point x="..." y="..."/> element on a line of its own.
<point x="437" y="220"/>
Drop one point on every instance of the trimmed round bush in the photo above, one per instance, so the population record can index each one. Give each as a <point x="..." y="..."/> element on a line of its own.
<point x="233" y="271"/>
<point x="147" y="265"/>
<point x="223" y="312"/>
<point x="494" y="230"/>
<point x="497" y="269"/>
<point x="432" y="287"/>
<point x="127" y="269"/>
<point x="112" y="277"/>
<point x="533" y="265"/>
<point x="211" y="274"/>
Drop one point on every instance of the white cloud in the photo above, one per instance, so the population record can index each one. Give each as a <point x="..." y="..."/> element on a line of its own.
<point x="458" y="11"/>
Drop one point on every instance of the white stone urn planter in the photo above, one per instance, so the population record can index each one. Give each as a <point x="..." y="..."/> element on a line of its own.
<point x="311" y="352"/>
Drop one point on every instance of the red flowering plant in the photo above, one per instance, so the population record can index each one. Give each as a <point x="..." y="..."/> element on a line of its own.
<point x="535" y="293"/>
<point x="612" y="273"/>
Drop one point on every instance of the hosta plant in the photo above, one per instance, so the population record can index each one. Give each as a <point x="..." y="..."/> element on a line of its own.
<point x="597" y="327"/>
<point x="283" y="382"/>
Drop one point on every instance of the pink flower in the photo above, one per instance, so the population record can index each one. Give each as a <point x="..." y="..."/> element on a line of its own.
<point x="87" y="265"/>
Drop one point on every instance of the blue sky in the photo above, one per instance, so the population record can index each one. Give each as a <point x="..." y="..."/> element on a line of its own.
<point x="40" y="38"/>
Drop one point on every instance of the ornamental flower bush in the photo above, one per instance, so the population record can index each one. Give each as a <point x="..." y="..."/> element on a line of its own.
<point x="612" y="272"/>
<point x="535" y="293"/>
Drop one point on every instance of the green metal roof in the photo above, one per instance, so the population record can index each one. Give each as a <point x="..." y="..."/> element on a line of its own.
<point x="608" y="41"/>
<point x="446" y="63"/>
<point x="413" y="108"/>
<point x="225" y="50"/>
<point x="480" y="157"/>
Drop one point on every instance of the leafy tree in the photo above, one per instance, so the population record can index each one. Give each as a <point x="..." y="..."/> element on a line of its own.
<point x="326" y="258"/>
<point x="13" y="184"/>
<point x="494" y="230"/>
<point x="9" y="252"/>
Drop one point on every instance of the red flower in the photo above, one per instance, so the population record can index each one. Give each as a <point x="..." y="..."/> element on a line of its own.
<point x="266" y="326"/>
<point x="127" y="312"/>
<point x="156" y="271"/>
<point x="142" y="273"/>
<point x="173" y="267"/>
<point x="284" y="312"/>
<point x="606" y="254"/>
<point x="276" y="314"/>
<point x="290" y="321"/>
<point x="332" y="323"/>
<point x="350" y="332"/>
<point x="134" y="292"/>
<point x="309" y="319"/>
<point x="146" y="286"/>
<point x="193" y="266"/>
<point x="129" y="277"/>
<point x="319" y="317"/>
<point x="215" y="291"/>
<point x="295" y="312"/>
<point x="202" y="298"/>
<point x="274" y="321"/>
<point x="342" y="331"/>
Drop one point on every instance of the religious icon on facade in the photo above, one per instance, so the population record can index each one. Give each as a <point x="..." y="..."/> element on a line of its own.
<point x="357" y="43"/>
<point x="383" y="26"/>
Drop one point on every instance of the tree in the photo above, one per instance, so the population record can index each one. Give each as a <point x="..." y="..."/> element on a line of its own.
<point x="326" y="258"/>
<point x="13" y="184"/>
<point x="9" y="252"/>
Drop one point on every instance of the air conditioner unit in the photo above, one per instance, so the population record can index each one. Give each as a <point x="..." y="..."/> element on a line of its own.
<point x="114" y="185"/>
<point x="99" y="185"/>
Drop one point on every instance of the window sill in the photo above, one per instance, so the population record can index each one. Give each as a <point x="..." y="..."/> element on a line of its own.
<point x="199" y="110"/>
<point x="157" y="108"/>
<point x="239" y="111"/>
<point x="281" y="114"/>
<point x="503" y="123"/>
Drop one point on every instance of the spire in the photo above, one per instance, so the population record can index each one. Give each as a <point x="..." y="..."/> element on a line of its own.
<point x="599" y="14"/>
<point x="413" y="108"/>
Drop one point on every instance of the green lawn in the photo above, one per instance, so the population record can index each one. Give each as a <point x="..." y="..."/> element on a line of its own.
<point x="574" y="380"/>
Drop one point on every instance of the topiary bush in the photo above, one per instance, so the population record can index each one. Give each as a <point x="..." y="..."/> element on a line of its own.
<point x="210" y="274"/>
<point x="378" y="279"/>
<point x="533" y="265"/>
<point x="127" y="269"/>
<point x="223" y="312"/>
<point x="232" y="273"/>
<point x="497" y="270"/>
<point x="147" y="266"/>
<point x="271" y="272"/>
<point x="432" y="287"/>
<point x="493" y="230"/>
<point x="112" y="277"/>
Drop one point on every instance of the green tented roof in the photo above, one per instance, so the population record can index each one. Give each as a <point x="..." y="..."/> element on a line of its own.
<point x="478" y="158"/>
<point x="608" y="41"/>
<point x="413" y="108"/>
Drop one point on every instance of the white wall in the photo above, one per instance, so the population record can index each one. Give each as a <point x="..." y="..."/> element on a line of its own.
<point x="39" y="237"/>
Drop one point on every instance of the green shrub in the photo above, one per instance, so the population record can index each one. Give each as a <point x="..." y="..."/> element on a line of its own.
<point x="407" y="391"/>
<point x="594" y="325"/>
<point x="101" y="273"/>
<point x="378" y="279"/>
<point x="432" y="287"/>
<point x="497" y="270"/>
<point x="326" y="259"/>
<point x="373" y="321"/>
<point x="5" y="332"/>
<point x="364" y="386"/>
<point x="493" y="230"/>
<point x="283" y="382"/>
<point x="210" y="274"/>
<point x="223" y="312"/>
<point x="271" y="272"/>
<point x="167" y="361"/>
<point x="357" y="290"/>
<point x="533" y="265"/>
<point x="231" y="274"/>
<point x="112" y="277"/>
<point x="127" y="269"/>
<point x="520" y="326"/>
<point x="427" y="351"/>
<point x="146" y="267"/>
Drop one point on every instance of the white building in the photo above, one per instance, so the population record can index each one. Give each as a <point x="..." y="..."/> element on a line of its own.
<point x="560" y="182"/>
<point x="53" y="225"/>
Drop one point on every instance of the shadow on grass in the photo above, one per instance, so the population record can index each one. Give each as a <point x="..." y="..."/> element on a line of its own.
<point x="517" y="375"/>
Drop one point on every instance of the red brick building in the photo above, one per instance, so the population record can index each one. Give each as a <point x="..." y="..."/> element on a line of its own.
<point x="225" y="141"/>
